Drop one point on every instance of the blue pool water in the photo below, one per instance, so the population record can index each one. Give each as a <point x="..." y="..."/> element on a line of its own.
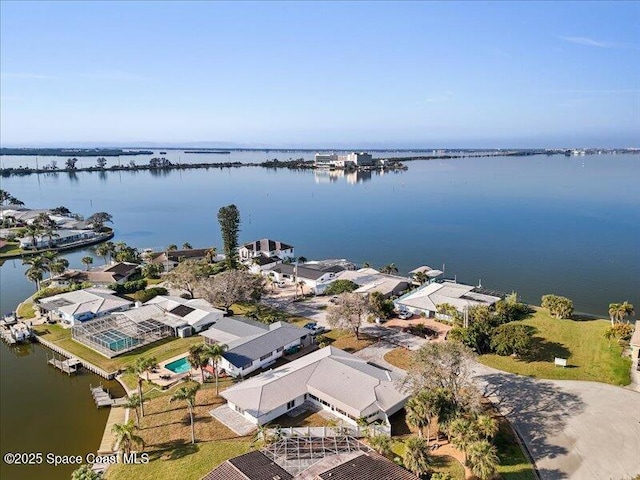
<point x="179" y="366"/>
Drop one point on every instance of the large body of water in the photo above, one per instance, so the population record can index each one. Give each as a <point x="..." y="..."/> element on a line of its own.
<point x="536" y="225"/>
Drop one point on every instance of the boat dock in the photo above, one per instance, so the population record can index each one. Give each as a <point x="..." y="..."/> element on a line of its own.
<point x="68" y="366"/>
<point x="15" y="332"/>
<point x="116" y="415"/>
<point x="103" y="398"/>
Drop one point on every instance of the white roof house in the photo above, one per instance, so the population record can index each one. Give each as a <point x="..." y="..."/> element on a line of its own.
<point x="251" y="345"/>
<point x="427" y="298"/>
<point x="371" y="280"/>
<point x="266" y="247"/>
<point x="336" y="380"/>
<point x="179" y="312"/>
<point x="85" y="304"/>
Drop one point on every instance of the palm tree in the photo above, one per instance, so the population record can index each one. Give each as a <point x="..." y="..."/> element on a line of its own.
<point x="186" y="246"/>
<point x="463" y="433"/>
<point x="125" y="436"/>
<point x="50" y="258"/>
<point x="484" y="460"/>
<point x="188" y="393"/>
<point x="300" y="284"/>
<point x="103" y="250"/>
<point x="390" y="269"/>
<point x="133" y="402"/>
<point x="416" y="413"/>
<point x="416" y="456"/>
<point x="49" y="232"/>
<point x="619" y="311"/>
<point x="172" y="247"/>
<point x="138" y="369"/>
<point x="302" y="259"/>
<point x="420" y="278"/>
<point x="59" y="266"/>
<point x="150" y="364"/>
<point x="366" y="265"/>
<point x="87" y="261"/>
<point x="197" y="358"/>
<point x="33" y="231"/>
<point x="214" y="353"/>
<point x="35" y="273"/>
<point x="486" y="426"/>
<point x="381" y="444"/>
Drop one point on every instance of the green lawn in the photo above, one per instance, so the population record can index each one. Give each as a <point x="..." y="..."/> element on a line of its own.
<point x="10" y="249"/>
<point x="186" y="461"/>
<point x="26" y="310"/>
<point x="162" y="349"/>
<point x="347" y="341"/>
<point x="590" y="356"/>
<point x="514" y="464"/>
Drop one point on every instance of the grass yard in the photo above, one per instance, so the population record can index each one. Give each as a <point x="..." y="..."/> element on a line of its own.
<point x="514" y="464"/>
<point x="166" y="431"/>
<point x="26" y="310"/>
<point x="266" y="311"/>
<point x="590" y="356"/>
<point x="347" y="341"/>
<point x="10" y="249"/>
<point x="162" y="349"/>
<point x="399" y="357"/>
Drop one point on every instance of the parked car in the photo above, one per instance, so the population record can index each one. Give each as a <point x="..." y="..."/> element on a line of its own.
<point x="405" y="314"/>
<point x="311" y="325"/>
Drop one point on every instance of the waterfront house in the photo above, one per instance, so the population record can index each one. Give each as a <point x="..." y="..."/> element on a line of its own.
<point x="119" y="272"/>
<point x="430" y="273"/>
<point x="171" y="258"/>
<point x="315" y="277"/>
<point x="61" y="238"/>
<point x="426" y="299"/>
<point x="348" y="386"/>
<point x="370" y="280"/>
<point x="251" y="345"/>
<point x="263" y="263"/>
<point x="265" y="247"/>
<point x="186" y="316"/>
<point x="82" y="305"/>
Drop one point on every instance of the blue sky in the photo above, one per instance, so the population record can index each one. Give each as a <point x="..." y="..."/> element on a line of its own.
<point x="336" y="74"/>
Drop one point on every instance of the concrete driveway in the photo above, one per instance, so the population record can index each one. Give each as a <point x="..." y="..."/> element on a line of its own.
<point x="574" y="430"/>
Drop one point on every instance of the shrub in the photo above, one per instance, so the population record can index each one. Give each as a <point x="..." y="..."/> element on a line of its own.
<point x="340" y="286"/>
<point x="129" y="287"/>
<point x="511" y="338"/>
<point x="146" y="295"/>
<point x="559" y="307"/>
<point x="620" y="331"/>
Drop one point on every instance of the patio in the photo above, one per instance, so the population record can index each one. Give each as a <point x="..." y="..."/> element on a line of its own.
<point x="232" y="420"/>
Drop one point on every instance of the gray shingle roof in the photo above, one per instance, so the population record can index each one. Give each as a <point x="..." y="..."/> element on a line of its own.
<point x="368" y="466"/>
<point x="250" y="466"/>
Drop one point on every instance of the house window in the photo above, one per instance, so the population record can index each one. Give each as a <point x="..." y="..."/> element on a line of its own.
<point x="264" y="357"/>
<point x="291" y="404"/>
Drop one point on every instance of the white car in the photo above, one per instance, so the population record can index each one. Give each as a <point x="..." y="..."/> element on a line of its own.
<point x="405" y="314"/>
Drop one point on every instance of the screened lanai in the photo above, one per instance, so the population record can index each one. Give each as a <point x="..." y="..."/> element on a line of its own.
<point x="116" y="334"/>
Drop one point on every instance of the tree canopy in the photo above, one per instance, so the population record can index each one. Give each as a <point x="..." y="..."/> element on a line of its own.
<point x="231" y="286"/>
<point x="349" y="312"/>
<point x="559" y="307"/>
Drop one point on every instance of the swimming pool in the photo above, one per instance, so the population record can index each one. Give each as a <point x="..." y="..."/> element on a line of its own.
<point x="179" y="366"/>
<point x="114" y="340"/>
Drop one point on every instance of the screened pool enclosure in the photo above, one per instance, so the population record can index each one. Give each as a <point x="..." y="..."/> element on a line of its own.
<point x="116" y="334"/>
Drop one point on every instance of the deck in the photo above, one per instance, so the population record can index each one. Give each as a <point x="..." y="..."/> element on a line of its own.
<point x="116" y="415"/>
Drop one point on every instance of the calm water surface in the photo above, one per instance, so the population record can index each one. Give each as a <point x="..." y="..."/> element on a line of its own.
<point x="567" y="225"/>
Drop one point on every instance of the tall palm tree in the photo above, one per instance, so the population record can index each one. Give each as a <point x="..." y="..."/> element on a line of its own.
<point x="59" y="266"/>
<point x="133" y="402"/>
<point x="198" y="358"/>
<point x="150" y="364"/>
<point x="301" y="284"/>
<point x="416" y="456"/>
<point x="137" y="369"/>
<point x="420" y="277"/>
<point x="416" y="413"/>
<point x="214" y="353"/>
<point x="486" y="426"/>
<point x="381" y="444"/>
<point x="103" y="251"/>
<point x="125" y="436"/>
<point x="484" y="460"/>
<point x="87" y="261"/>
<point x="463" y="433"/>
<point x="172" y="247"/>
<point x="186" y="246"/>
<point x="49" y="232"/>
<point x="37" y="268"/>
<point x="390" y="269"/>
<point x="33" y="231"/>
<point x="188" y="394"/>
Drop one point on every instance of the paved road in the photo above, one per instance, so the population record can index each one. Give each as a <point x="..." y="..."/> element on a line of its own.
<point x="574" y="430"/>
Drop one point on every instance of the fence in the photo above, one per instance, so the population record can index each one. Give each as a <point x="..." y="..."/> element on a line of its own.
<point x="356" y="431"/>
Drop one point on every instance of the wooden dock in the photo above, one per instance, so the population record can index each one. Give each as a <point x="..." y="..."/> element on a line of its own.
<point x="116" y="415"/>
<point x="68" y="366"/>
<point x="103" y="398"/>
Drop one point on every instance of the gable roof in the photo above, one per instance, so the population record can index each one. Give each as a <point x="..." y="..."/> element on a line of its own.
<point x="90" y="300"/>
<point x="250" y="466"/>
<point x="306" y="271"/>
<point x="229" y="329"/>
<point x="121" y="269"/>
<point x="266" y="245"/>
<point x="459" y="295"/>
<point x="180" y="311"/>
<point x="244" y="351"/>
<point x="347" y="381"/>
